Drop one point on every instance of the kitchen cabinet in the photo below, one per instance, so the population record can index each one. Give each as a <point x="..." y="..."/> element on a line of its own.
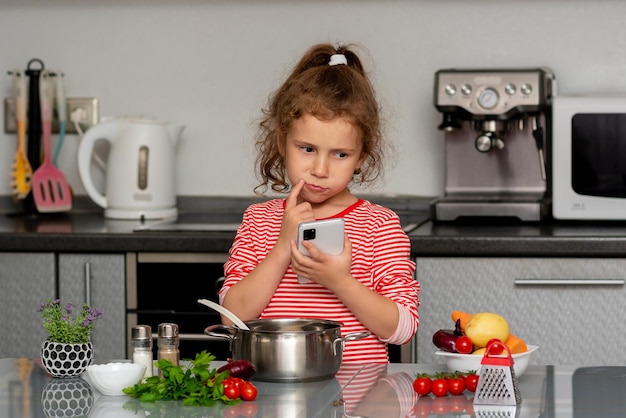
<point x="572" y="308"/>
<point x="98" y="280"/>
<point x="28" y="280"/>
<point x="165" y="287"/>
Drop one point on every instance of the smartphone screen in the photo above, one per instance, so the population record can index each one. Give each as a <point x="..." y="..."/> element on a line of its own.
<point x="327" y="236"/>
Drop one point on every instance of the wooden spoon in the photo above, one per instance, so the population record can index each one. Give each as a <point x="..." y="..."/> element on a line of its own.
<point x="21" y="170"/>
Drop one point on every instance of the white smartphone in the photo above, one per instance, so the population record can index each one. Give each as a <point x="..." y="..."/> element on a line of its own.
<point x="327" y="235"/>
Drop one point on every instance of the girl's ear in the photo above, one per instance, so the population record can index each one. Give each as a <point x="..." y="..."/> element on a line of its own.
<point x="361" y="162"/>
<point x="281" y="146"/>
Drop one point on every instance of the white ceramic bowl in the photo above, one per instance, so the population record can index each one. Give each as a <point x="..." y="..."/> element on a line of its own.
<point x="467" y="362"/>
<point x="110" y="378"/>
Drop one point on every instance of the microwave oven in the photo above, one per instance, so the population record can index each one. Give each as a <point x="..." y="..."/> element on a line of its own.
<point x="589" y="158"/>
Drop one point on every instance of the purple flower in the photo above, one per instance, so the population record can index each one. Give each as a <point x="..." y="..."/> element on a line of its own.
<point x="67" y="325"/>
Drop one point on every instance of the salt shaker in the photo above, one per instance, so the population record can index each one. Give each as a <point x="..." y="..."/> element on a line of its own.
<point x="168" y="343"/>
<point x="142" y="347"/>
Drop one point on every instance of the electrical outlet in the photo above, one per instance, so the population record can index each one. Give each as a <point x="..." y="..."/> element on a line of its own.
<point x="85" y="109"/>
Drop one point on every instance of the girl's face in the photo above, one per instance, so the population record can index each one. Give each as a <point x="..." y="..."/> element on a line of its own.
<point x="323" y="153"/>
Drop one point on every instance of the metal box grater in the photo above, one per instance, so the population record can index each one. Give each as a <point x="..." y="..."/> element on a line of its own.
<point x="497" y="383"/>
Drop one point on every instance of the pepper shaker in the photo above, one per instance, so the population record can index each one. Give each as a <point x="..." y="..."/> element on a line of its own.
<point x="168" y="343"/>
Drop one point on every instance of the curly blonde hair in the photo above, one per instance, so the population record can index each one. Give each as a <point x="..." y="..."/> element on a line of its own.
<point x="326" y="92"/>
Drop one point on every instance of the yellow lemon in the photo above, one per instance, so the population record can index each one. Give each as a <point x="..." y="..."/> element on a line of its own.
<point x="480" y="351"/>
<point x="484" y="326"/>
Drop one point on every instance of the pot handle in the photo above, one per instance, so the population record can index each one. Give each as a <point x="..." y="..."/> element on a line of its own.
<point x="230" y="336"/>
<point x="339" y="343"/>
<point x="210" y="330"/>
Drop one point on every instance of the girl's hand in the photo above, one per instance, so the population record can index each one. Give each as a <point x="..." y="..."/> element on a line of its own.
<point x="294" y="215"/>
<point x="322" y="268"/>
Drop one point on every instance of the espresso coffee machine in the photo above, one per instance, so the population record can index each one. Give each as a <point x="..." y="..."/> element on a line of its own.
<point x="496" y="128"/>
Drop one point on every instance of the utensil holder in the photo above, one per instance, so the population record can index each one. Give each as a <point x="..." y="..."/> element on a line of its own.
<point x="33" y="144"/>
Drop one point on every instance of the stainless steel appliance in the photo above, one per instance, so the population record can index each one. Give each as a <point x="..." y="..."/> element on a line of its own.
<point x="496" y="125"/>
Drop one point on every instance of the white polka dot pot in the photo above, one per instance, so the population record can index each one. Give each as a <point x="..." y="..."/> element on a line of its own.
<point x="67" y="398"/>
<point x="66" y="360"/>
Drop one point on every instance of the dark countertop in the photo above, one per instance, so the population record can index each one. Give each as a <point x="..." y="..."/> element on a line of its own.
<point x="549" y="239"/>
<point x="86" y="230"/>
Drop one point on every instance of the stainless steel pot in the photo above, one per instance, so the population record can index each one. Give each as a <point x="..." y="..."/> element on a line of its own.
<point x="288" y="349"/>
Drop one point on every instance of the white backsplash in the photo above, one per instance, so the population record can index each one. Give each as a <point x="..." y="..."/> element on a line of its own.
<point x="211" y="64"/>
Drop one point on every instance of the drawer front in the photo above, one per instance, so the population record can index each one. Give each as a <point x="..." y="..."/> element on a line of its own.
<point x="28" y="280"/>
<point x="98" y="279"/>
<point x="571" y="308"/>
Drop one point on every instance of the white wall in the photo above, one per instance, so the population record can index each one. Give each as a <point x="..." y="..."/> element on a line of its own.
<point x="211" y="64"/>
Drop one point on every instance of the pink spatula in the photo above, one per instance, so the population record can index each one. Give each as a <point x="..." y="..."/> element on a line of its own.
<point x="51" y="192"/>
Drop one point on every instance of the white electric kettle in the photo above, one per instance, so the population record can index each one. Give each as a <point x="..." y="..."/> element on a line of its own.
<point x="140" y="170"/>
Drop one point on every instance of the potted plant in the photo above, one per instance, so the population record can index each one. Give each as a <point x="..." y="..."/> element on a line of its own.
<point x="67" y="351"/>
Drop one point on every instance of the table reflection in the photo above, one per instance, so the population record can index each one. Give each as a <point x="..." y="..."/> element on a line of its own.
<point x="67" y="398"/>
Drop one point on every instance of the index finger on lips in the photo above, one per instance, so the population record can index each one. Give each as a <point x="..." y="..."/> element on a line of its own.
<point x="292" y="198"/>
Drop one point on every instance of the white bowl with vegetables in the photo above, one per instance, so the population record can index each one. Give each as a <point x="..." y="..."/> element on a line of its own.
<point x="467" y="362"/>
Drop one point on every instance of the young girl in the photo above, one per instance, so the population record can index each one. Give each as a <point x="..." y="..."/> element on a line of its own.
<point x="320" y="133"/>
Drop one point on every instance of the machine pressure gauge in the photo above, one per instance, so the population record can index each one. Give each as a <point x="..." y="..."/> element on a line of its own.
<point x="488" y="98"/>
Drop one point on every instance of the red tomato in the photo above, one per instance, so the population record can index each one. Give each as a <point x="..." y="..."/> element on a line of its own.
<point x="237" y="381"/>
<point x="498" y="346"/>
<point x="248" y="391"/>
<point x="231" y="391"/>
<point x="440" y="387"/>
<point x="422" y="385"/>
<point x="471" y="381"/>
<point x="456" y="385"/>
<point x="464" y="345"/>
<point x="232" y="388"/>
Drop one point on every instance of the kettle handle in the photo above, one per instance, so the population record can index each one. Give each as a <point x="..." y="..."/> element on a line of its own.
<point x="105" y="131"/>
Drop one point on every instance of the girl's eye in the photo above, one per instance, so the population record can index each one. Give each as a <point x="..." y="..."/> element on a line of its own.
<point x="306" y="149"/>
<point x="341" y="155"/>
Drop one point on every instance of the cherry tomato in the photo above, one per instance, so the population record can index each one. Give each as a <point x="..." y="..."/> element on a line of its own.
<point x="498" y="346"/>
<point x="440" y="387"/>
<point x="248" y="391"/>
<point x="471" y="381"/>
<point x="231" y="391"/>
<point x="456" y="385"/>
<point x="237" y="381"/>
<point x="464" y="345"/>
<point x="422" y="385"/>
<point x="232" y="388"/>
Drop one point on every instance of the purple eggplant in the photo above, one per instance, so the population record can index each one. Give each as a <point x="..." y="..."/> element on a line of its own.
<point x="445" y="339"/>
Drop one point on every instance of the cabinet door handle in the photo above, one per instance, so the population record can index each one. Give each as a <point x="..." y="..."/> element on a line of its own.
<point x="567" y="282"/>
<point x="191" y="337"/>
<point x="88" y="284"/>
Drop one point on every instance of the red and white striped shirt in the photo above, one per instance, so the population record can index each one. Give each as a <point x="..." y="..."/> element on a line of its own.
<point x="380" y="260"/>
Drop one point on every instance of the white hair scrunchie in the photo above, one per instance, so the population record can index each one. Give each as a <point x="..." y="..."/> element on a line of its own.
<point x="338" y="59"/>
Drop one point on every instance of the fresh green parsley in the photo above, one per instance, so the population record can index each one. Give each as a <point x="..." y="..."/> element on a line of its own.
<point x="193" y="382"/>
